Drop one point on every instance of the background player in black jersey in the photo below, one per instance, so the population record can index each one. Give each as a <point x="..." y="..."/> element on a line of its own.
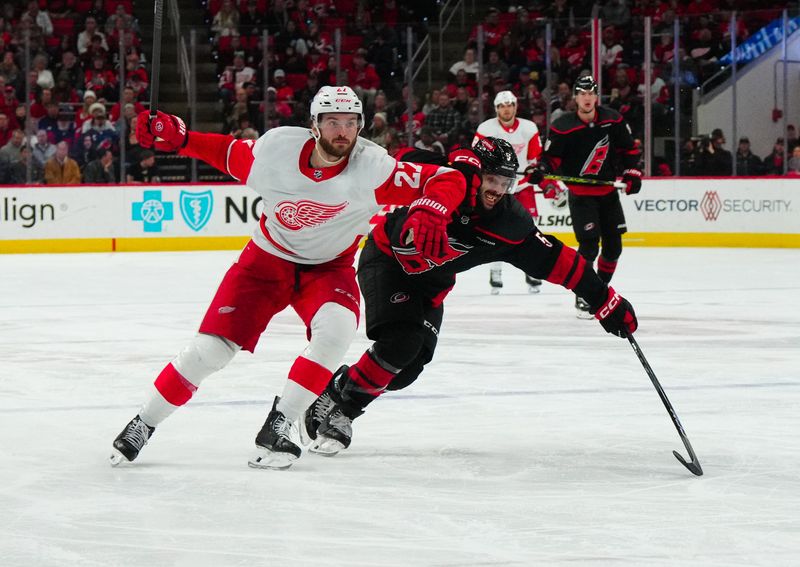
<point x="404" y="291"/>
<point x="595" y="142"/>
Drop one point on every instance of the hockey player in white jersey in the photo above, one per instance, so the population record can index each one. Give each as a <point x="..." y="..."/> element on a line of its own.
<point x="320" y="187"/>
<point x="523" y="135"/>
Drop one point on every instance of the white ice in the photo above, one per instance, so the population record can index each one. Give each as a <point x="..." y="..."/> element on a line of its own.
<point x="534" y="438"/>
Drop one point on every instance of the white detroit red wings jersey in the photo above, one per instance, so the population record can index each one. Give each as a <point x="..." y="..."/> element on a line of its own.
<point x="313" y="215"/>
<point x="523" y="136"/>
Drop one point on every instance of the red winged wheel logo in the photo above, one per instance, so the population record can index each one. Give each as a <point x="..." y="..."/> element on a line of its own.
<point x="306" y="214"/>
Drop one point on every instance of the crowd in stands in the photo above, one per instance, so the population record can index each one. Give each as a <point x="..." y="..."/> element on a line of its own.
<point x="79" y="118"/>
<point x="78" y="114"/>
<point x="301" y="36"/>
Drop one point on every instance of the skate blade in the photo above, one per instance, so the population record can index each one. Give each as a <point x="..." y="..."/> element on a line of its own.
<point x="327" y="447"/>
<point x="266" y="459"/>
<point x="580" y="314"/>
<point x="116" y="458"/>
<point x="534" y="288"/>
<point x="495" y="291"/>
<point x="305" y="435"/>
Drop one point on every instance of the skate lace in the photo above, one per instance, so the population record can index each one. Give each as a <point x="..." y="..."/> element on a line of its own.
<point x="323" y="406"/>
<point x="137" y="433"/>
<point x="283" y="427"/>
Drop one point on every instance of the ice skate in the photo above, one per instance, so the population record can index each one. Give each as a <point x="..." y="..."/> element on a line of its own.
<point x="534" y="285"/>
<point x="130" y="441"/>
<point x="333" y="435"/>
<point x="582" y="309"/>
<point x="317" y="412"/>
<point x="274" y="446"/>
<point x="495" y="280"/>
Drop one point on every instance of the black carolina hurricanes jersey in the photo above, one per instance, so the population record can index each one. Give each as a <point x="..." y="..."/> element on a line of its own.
<point x="601" y="149"/>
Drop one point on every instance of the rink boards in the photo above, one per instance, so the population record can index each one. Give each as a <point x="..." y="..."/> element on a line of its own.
<point x="742" y="212"/>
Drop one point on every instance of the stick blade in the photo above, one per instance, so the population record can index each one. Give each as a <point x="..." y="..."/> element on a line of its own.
<point x="693" y="466"/>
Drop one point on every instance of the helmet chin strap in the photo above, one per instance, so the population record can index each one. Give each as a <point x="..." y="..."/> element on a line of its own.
<point x="316" y="135"/>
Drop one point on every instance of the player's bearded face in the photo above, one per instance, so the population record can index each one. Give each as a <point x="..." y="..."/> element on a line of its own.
<point x="493" y="188"/>
<point x="506" y="112"/>
<point x="338" y="133"/>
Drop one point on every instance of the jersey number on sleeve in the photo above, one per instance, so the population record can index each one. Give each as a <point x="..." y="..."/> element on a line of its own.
<point x="411" y="180"/>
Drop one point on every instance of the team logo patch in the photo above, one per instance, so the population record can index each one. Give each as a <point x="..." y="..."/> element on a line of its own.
<point x="399" y="297"/>
<point x="306" y="214"/>
<point x="225" y="310"/>
<point x="317" y="174"/>
<point x="588" y="226"/>
<point x="196" y="208"/>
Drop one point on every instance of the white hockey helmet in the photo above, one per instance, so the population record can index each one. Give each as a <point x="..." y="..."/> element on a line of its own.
<point x="504" y="97"/>
<point x="336" y="99"/>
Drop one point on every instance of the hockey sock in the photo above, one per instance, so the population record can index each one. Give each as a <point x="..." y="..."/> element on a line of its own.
<point x="306" y="382"/>
<point x="606" y="268"/>
<point x="170" y="391"/>
<point x="367" y="379"/>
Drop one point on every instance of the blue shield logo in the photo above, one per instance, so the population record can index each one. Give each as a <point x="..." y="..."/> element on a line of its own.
<point x="196" y="208"/>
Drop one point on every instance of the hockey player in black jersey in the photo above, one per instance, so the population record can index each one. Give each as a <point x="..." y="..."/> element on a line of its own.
<point x="404" y="290"/>
<point x="594" y="142"/>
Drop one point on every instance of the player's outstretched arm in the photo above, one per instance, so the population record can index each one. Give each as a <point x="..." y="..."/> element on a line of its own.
<point x="546" y="257"/>
<point x="168" y="133"/>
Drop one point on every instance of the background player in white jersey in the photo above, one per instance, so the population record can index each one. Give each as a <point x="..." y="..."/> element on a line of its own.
<point x="523" y="135"/>
<point x="319" y="190"/>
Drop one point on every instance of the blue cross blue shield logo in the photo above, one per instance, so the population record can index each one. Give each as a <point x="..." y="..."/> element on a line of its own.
<point x="196" y="208"/>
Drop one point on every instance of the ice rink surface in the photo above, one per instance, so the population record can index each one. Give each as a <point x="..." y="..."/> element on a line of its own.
<point x="534" y="438"/>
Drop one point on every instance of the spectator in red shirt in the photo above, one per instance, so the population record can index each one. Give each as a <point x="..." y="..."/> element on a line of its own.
<point x="9" y="103"/>
<point x="492" y="30"/>
<point x="128" y="97"/>
<point x="363" y="78"/>
<point x="5" y="130"/>
<point x="283" y="92"/>
<point x="574" y="51"/>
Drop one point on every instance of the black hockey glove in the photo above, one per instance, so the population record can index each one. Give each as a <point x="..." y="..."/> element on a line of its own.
<point x="616" y="315"/>
<point x="535" y="173"/>
<point x="632" y="178"/>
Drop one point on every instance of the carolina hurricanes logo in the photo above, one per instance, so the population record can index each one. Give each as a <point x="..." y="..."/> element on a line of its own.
<point x="306" y="214"/>
<point x="594" y="163"/>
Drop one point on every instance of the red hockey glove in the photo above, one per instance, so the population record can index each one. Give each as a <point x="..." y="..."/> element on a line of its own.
<point x="426" y="225"/>
<point x="616" y="315"/>
<point x="170" y="129"/>
<point x="632" y="178"/>
<point x="552" y="189"/>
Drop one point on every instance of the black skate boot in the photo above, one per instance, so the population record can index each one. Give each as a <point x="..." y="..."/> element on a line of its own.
<point x="329" y="420"/>
<point x="534" y="284"/>
<point x="274" y="446"/>
<point x="129" y="443"/>
<point x="322" y="407"/>
<point x="582" y="309"/>
<point x="496" y="280"/>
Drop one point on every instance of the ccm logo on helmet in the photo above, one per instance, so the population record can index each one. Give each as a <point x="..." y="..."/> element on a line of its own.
<point x="469" y="159"/>
<point x="609" y="307"/>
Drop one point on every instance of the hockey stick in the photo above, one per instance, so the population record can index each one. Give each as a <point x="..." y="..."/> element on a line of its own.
<point x="156" y="63"/>
<point x="694" y="465"/>
<point x="580" y="180"/>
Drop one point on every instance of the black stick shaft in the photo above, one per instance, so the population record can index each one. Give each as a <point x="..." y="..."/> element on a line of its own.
<point x="155" y="64"/>
<point x="694" y="465"/>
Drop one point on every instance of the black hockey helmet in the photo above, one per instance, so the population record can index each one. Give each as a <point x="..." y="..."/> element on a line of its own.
<point x="497" y="156"/>
<point x="586" y="84"/>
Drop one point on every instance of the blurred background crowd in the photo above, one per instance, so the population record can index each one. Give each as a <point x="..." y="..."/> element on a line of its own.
<point x="75" y="73"/>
